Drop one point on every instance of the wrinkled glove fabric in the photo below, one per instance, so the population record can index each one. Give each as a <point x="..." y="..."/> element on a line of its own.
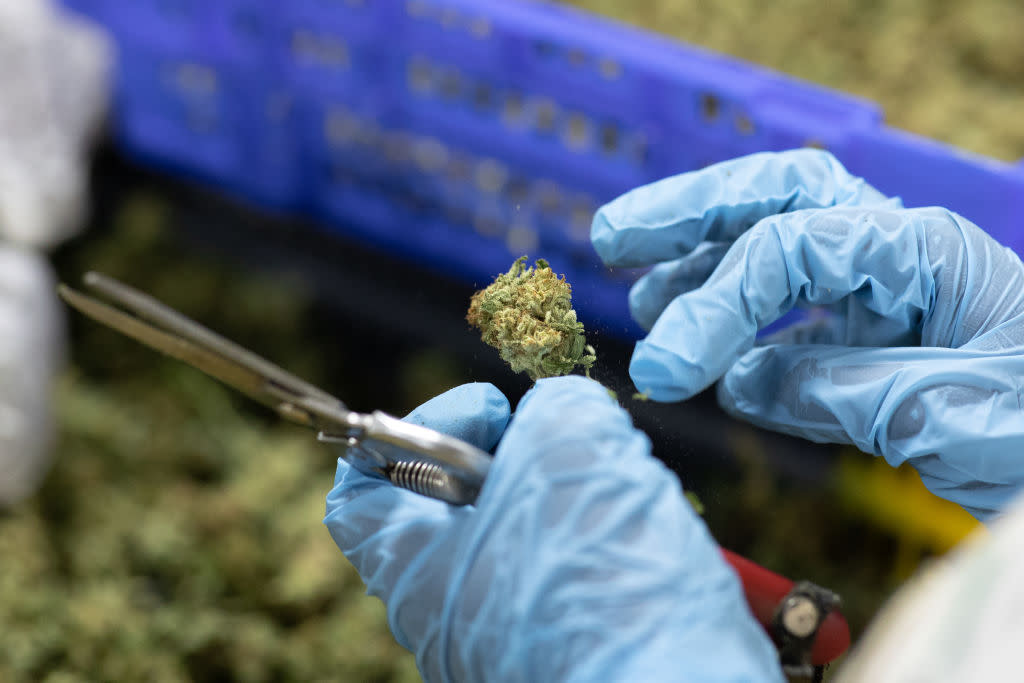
<point x="581" y="560"/>
<point x="917" y="351"/>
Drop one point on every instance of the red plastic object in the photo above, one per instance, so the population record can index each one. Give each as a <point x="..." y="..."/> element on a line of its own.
<point x="765" y="590"/>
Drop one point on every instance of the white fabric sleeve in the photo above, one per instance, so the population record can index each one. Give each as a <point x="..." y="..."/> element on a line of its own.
<point x="31" y="353"/>
<point x="960" y="619"/>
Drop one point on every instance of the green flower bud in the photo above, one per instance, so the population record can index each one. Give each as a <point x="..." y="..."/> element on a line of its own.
<point x="527" y="315"/>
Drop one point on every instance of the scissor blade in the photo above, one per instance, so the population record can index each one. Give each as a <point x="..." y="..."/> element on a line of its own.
<point x="176" y="347"/>
<point x="165" y="317"/>
<point x="277" y="388"/>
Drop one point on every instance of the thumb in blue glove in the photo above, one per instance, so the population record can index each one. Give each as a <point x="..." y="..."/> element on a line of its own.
<point x="581" y="560"/>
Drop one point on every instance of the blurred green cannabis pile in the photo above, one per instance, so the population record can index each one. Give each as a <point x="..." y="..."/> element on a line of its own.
<point x="178" y="536"/>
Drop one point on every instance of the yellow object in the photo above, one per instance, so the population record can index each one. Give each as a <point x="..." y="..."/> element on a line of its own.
<point x="896" y="500"/>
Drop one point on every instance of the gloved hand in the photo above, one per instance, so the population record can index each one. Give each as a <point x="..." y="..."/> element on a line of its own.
<point x="740" y="243"/>
<point x="581" y="560"/>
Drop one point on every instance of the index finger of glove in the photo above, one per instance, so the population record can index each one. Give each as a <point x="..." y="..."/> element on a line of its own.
<point x="816" y="257"/>
<point x="569" y="440"/>
<point x="667" y="219"/>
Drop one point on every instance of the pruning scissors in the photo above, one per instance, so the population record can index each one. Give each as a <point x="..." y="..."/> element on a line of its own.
<point x="377" y="444"/>
<point x="802" y="618"/>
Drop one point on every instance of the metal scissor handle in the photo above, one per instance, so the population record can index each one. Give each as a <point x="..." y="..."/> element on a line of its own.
<point x="377" y="444"/>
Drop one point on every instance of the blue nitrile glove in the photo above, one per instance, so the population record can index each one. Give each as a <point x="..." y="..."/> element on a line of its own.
<point x="581" y="560"/>
<point x="742" y="242"/>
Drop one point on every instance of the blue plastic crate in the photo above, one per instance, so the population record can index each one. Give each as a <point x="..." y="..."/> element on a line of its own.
<point x="464" y="133"/>
<point x="243" y="33"/>
<point x="180" y="28"/>
<point x="212" y="122"/>
<point x="185" y="113"/>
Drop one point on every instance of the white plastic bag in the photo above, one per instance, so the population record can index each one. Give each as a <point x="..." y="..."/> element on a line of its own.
<point x="54" y="82"/>
<point x="31" y="350"/>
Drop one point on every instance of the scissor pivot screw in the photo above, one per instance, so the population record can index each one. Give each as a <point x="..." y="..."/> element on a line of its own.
<point x="800" y="616"/>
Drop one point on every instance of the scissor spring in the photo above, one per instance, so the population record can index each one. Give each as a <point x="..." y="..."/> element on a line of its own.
<point x="420" y="476"/>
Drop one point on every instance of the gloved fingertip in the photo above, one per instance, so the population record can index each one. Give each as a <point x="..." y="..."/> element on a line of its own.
<point x="603" y="237"/>
<point x="561" y="405"/>
<point x="569" y="389"/>
<point x="644" y="306"/>
<point x="563" y="425"/>
<point x="476" y="413"/>
<point x="663" y="375"/>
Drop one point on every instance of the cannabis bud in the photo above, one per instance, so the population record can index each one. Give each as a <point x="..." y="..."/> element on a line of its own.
<point x="527" y="315"/>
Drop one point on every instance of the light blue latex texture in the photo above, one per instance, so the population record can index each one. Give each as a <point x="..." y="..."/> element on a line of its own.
<point x="581" y="560"/>
<point x="914" y="349"/>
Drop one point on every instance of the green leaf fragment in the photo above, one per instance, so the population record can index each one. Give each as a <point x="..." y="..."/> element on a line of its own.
<point x="694" y="501"/>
